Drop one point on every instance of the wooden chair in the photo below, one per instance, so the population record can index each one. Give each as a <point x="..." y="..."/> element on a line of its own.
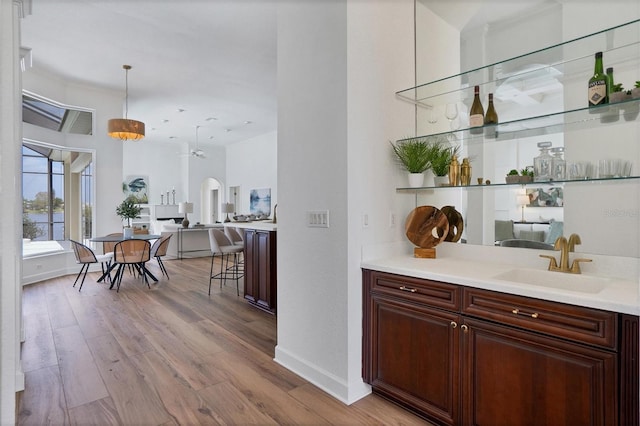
<point x="85" y="256"/>
<point x="159" y="249"/>
<point x="222" y="247"/>
<point x="132" y="252"/>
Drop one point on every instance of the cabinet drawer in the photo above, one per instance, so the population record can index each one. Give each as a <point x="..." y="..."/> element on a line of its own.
<point x="431" y="293"/>
<point x="586" y="325"/>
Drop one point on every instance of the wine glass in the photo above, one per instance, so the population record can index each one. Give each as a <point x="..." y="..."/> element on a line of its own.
<point x="432" y="115"/>
<point x="451" y="112"/>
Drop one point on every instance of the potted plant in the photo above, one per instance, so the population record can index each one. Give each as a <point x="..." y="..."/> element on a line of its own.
<point x="441" y="156"/>
<point x="128" y="210"/>
<point x="526" y="175"/>
<point x="635" y="92"/>
<point x="413" y="155"/>
<point x="513" y="176"/>
<point x="618" y="94"/>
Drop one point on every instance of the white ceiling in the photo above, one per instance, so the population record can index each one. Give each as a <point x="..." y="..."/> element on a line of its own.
<point x="214" y="59"/>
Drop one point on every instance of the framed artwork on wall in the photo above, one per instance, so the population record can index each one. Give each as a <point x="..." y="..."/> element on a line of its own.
<point x="260" y="202"/>
<point x="137" y="187"/>
<point x="546" y="197"/>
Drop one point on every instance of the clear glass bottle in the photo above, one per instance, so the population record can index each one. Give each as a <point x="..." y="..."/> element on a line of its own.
<point x="558" y="164"/>
<point x="542" y="163"/>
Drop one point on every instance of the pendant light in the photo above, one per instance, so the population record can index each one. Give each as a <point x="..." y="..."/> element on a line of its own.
<point x="123" y="128"/>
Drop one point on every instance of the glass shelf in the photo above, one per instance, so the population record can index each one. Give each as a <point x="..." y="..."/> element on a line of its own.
<point x="544" y="70"/>
<point x="530" y="184"/>
<point x="560" y="122"/>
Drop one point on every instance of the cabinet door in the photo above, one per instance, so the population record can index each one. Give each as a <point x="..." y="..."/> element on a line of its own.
<point x="515" y="377"/>
<point x="250" y="292"/>
<point x="415" y="357"/>
<point x="265" y="264"/>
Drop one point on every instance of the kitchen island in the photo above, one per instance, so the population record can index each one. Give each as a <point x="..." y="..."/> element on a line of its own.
<point x="260" y="263"/>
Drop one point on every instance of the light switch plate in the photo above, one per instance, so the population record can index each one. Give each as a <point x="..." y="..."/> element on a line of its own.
<point x="318" y="219"/>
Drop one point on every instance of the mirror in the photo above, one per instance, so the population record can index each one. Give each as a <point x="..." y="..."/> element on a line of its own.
<point x="596" y="211"/>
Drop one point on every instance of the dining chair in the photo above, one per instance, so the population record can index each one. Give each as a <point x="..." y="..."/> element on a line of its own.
<point x="223" y="248"/>
<point x="85" y="256"/>
<point x="131" y="252"/>
<point x="159" y="249"/>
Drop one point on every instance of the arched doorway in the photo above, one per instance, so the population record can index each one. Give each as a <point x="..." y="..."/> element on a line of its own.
<point x="211" y="199"/>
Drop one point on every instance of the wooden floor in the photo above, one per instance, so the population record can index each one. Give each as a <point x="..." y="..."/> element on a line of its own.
<point x="166" y="355"/>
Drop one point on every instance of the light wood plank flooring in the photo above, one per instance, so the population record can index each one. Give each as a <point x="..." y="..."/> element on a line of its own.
<point x="166" y="355"/>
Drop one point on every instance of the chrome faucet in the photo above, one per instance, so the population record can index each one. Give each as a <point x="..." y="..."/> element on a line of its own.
<point x="275" y="208"/>
<point x="565" y="246"/>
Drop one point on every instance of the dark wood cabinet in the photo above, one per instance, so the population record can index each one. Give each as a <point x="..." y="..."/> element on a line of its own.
<point x="260" y="282"/>
<point x="464" y="356"/>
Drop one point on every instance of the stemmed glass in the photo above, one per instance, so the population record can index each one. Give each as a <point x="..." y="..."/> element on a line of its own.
<point x="432" y="115"/>
<point x="451" y="112"/>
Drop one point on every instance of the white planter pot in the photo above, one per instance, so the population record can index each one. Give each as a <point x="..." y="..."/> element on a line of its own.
<point x="416" y="180"/>
<point x="127" y="233"/>
<point x="441" y="180"/>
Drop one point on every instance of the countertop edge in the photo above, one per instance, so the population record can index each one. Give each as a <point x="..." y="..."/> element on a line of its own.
<point x="621" y="297"/>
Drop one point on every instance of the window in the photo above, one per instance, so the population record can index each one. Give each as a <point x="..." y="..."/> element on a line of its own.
<point x="42" y="195"/>
<point x="57" y="193"/>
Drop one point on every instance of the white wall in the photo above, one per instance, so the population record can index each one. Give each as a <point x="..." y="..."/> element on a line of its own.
<point x="11" y="374"/>
<point x="333" y="154"/>
<point x="253" y="164"/>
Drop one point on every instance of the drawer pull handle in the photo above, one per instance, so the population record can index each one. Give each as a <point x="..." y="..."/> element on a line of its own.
<point x="464" y="328"/>
<point x="454" y="324"/>
<point x="517" y="312"/>
<point x="409" y="289"/>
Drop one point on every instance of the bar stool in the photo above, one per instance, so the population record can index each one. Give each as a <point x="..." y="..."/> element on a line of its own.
<point x="223" y="248"/>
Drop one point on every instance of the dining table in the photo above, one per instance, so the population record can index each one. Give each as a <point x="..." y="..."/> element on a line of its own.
<point x="116" y="238"/>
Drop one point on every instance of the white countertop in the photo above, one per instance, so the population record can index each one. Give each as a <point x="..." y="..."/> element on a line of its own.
<point x="617" y="295"/>
<point x="260" y="225"/>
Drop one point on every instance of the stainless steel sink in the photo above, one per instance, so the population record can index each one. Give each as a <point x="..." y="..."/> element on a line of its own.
<point x="555" y="280"/>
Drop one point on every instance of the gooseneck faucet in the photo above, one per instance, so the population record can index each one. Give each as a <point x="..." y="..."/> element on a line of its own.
<point x="565" y="246"/>
<point x="275" y="208"/>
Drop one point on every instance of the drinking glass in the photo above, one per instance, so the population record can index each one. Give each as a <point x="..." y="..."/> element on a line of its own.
<point x="451" y="112"/>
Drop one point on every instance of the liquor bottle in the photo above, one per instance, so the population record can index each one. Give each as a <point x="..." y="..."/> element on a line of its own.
<point x="490" y="119"/>
<point x="612" y="114"/>
<point x="476" y="114"/>
<point x="598" y="84"/>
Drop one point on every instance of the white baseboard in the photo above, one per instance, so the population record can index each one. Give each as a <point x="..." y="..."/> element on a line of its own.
<point x="330" y="383"/>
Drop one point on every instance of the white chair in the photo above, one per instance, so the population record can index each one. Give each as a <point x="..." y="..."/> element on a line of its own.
<point x="234" y="236"/>
<point x="158" y="250"/>
<point x="85" y="256"/>
<point x="223" y="248"/>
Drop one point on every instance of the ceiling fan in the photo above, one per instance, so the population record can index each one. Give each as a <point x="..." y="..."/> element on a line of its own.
<point x="197" y="152"/>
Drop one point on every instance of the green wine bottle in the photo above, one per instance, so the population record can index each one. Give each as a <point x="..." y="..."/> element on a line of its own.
<point x="598" y="84"/>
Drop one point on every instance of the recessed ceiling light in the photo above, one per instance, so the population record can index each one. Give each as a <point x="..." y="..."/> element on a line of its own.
<point x="211" y="119"/>
<point x="165" y="121"/>
<point x="211" y="137"/>
<point x="173" y="137"/>
<point x="227" y="130"/>
<point x="247" y="122"/>
<point x="180" y="110"/>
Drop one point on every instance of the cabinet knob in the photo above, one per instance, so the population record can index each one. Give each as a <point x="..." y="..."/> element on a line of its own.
<point x="409" y="289"/>
<point x="464" y="328"/>
<point x="454" y="324"/>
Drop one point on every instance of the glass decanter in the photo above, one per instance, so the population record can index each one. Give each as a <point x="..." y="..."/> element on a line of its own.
<point x="542" y="163"/>
<point x="558" y="164"/>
